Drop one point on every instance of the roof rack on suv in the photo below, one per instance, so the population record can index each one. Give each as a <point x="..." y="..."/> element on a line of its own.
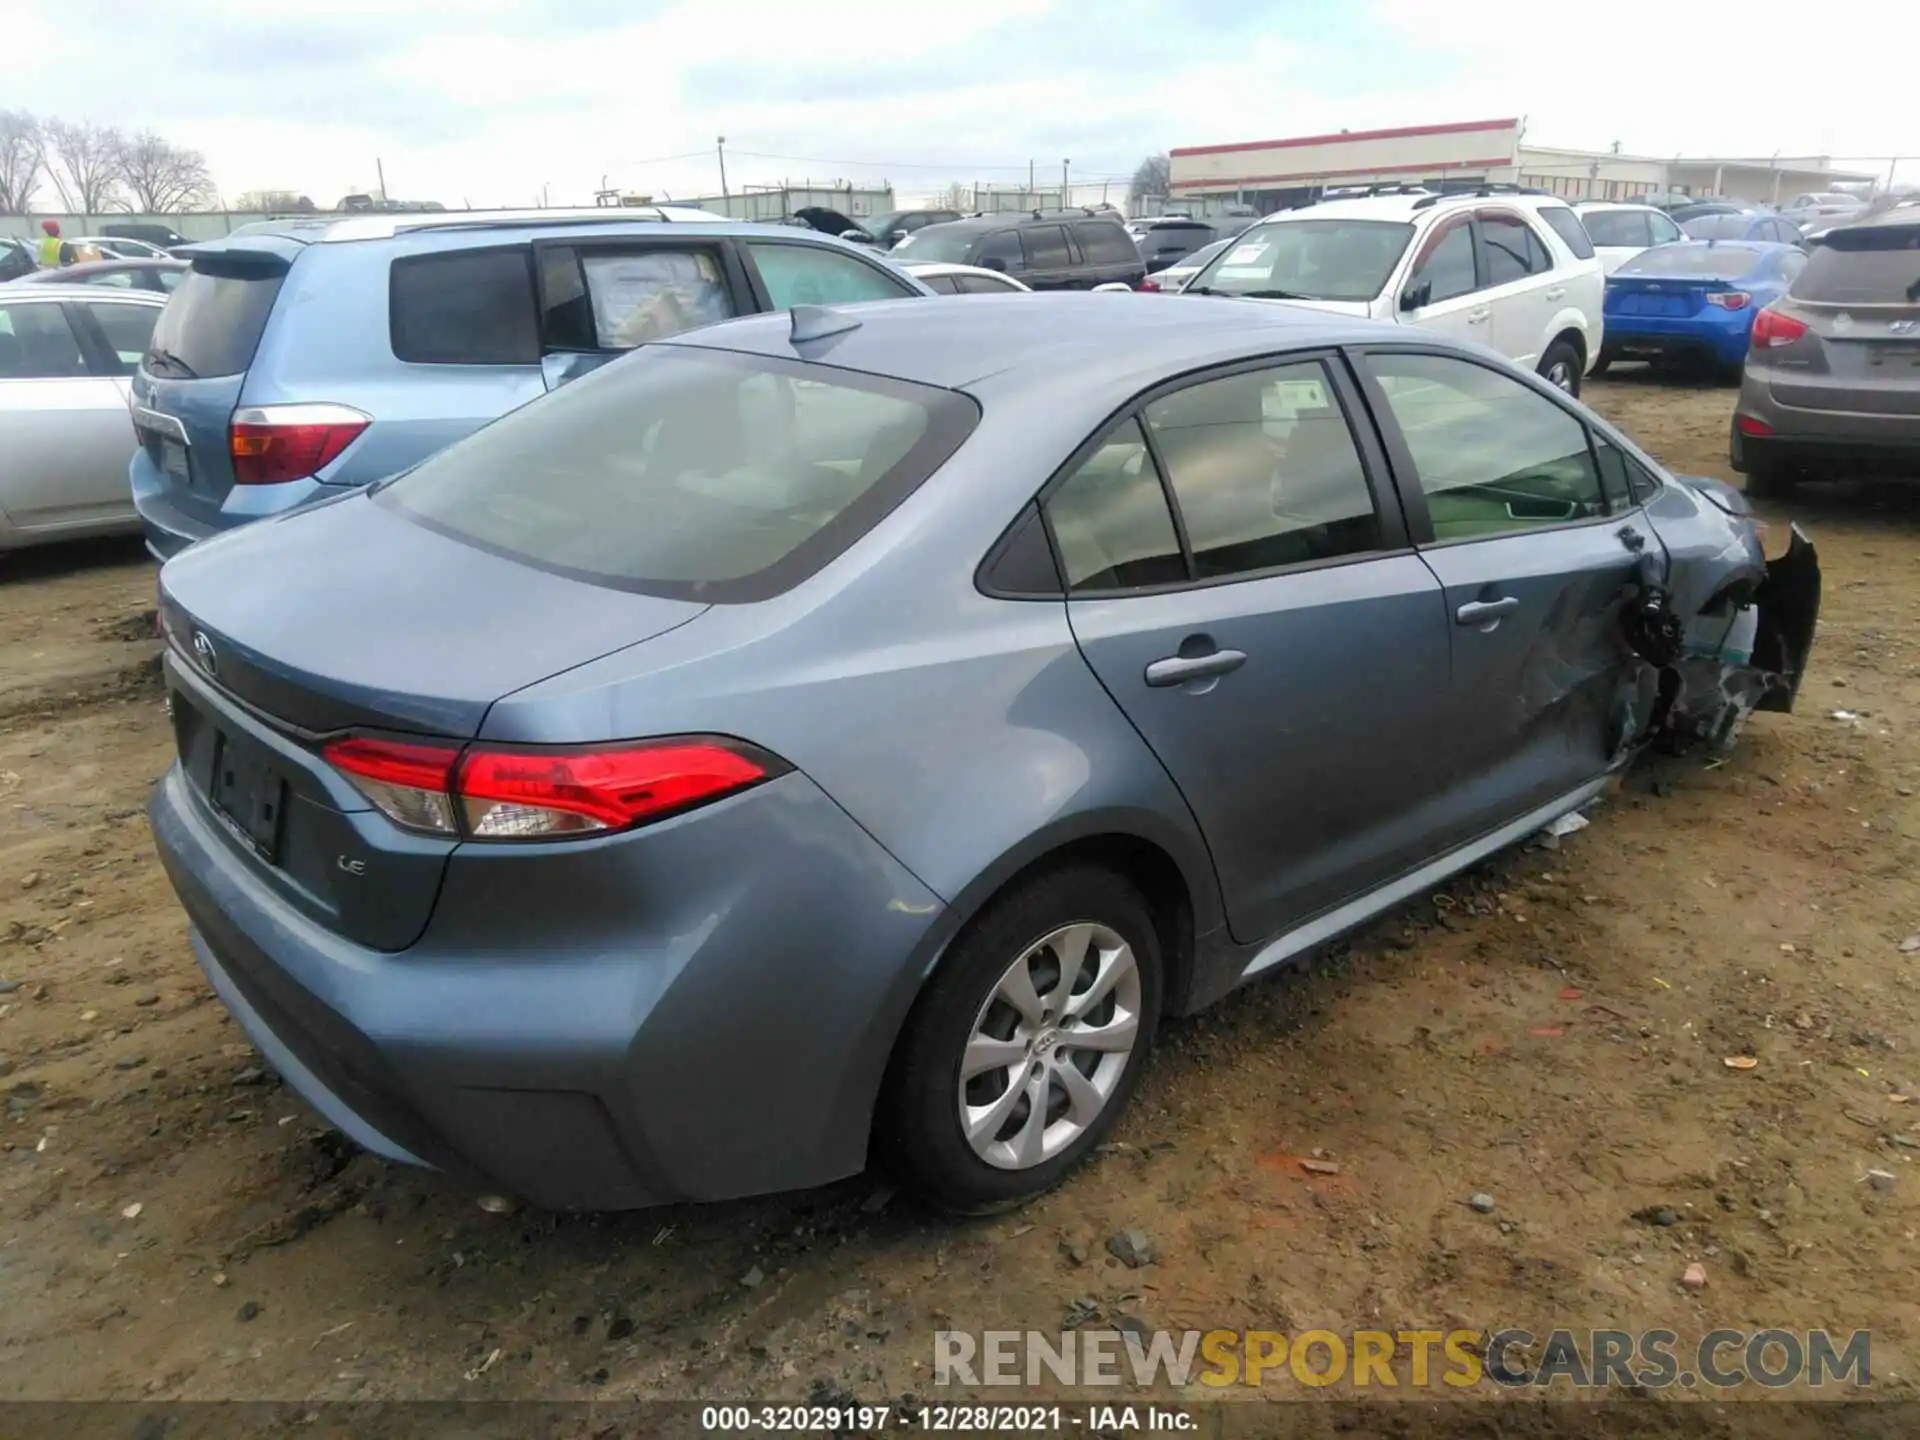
<point x="1480" y="192"/>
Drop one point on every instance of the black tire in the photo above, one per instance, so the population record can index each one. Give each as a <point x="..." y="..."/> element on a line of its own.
<point x="917" y="1125"/>
<point x="1558" y="354"/>
<point x="1602" y="365"/>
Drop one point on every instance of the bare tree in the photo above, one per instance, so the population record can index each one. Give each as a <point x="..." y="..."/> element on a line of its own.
<point x="1151" y="180"/>
<point x="959" y="196"/>
<point x="163" y="177"/>
<point x="22" y="153"/>
<point x="83" y="161"/>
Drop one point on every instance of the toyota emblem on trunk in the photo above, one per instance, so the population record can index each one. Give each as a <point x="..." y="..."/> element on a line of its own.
<point x="203" y="651"/>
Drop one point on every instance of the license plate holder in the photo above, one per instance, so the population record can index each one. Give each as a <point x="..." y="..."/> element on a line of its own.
<point x="248" y="793"/>
<point x="174" y="460"/>
<point x="1894" y="354"/>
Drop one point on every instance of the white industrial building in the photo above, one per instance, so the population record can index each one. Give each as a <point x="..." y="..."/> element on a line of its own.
<point x="1268" y="174"/>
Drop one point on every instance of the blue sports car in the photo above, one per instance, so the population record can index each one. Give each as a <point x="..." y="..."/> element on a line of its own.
<point x="1693" y="300"/>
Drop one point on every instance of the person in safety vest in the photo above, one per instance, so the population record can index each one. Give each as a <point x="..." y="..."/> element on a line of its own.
<point x="54" y="252"/>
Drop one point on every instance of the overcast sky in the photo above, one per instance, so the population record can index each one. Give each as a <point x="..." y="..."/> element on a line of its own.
<point x="489" y="101"/>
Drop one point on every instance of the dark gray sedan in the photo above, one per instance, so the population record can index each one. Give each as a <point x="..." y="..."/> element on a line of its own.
<point x="849" y="733"/>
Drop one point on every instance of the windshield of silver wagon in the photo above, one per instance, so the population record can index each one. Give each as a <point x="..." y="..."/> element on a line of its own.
<point x="1309" y="259"/>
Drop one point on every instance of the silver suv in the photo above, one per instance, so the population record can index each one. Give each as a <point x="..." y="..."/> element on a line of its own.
<point x="1832" y="381"/>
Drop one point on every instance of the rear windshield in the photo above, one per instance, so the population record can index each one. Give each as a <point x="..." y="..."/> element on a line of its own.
<point x="1864" y="265"/>
<point x="937" y="243"/>
<point x="1700" y="261"/>
<point x="1616" y="227"/>
<point x="697" y="474"/>
<point x="212" y="324"/>
<point x="1309" y="260"/>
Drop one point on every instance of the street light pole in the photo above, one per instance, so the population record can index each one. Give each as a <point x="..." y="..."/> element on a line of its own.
<point x="1066" y="186"/>
<point x="720" y="148"/>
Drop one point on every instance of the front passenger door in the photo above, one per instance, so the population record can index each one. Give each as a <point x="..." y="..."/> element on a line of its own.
<point x="1505" y="501"/>
<point x="1445" y="282"/>
<point x="1269" y="633"/>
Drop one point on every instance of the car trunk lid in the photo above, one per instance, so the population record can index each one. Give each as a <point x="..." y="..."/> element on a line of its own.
<point x="190" y="382"/>
<point x="1665" y="297"/>
<point x="346" y="617"/>
<point x="348" y="614"/>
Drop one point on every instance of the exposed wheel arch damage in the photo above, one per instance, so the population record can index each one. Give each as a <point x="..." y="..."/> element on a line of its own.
<point x="1708" y="664"/>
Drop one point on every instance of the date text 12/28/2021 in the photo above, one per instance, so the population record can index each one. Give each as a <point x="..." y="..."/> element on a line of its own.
<point x="944" y="1419"/>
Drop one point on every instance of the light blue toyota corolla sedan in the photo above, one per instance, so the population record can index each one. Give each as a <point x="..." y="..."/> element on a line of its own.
<point x="849" y="733"/>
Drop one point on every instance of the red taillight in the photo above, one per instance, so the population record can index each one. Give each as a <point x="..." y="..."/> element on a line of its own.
<point x="1150" y="284"/>
<point x="275" y="443"/>
<point x="409" y="784"/>
<point x="1771" y="329"/>
<point x="538" y="794"/>
<point x="1729" y="299"/>
<point x="1750" y="426"/>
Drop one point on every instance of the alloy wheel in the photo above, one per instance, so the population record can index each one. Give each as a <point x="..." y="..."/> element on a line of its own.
<point x="1560" y="376"/>
<point x="1049" y="1046"/>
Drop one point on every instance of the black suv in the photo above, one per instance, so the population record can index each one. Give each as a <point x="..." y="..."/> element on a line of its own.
<point x="1045" y="250"/>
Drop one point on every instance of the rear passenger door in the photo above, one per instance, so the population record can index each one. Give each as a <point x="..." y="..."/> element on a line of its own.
<point x="1050" y="263"/>
<point x="1521" y="288"/>
<point x="1506" y="502"/>
<point x="1239" y="579"/>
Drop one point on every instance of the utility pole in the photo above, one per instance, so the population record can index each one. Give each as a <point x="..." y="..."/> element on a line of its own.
<point x="543" y="195"/>
<point x="1066" y="188"/>
<point x="1033" y="194"/>
<point x="381" y="171"/>
<point x="720" y="148"/>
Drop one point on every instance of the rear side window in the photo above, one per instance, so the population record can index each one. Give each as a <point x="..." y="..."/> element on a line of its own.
<point x="213" y="323"/>
<point x="1105" y="243"/>
<point x="1513" y="251"/>
<point x="1046" y="247"/>
<point x="468" y="307"/>
<point x="128" y="330"/>
<point x="1619" y="229"/>
<point x="1111" y="522"/>
<point x="1577" y="237"/>
<point x="651" y="294"/>
<point x="692" y="473"/>
<point x="1870" y="265"/>
<point x="1264" y="470"/>
<point x="814" y="275"/>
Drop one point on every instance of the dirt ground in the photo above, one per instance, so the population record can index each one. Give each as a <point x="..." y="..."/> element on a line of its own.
<point x="1550" y="1031"/>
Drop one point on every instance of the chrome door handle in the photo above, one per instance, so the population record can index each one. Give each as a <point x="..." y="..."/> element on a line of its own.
<point x="1558" y="292"/>
<point x="1178" y="669"/>
<point x="1486" y="612"/>
<point x="1479" y="317"/>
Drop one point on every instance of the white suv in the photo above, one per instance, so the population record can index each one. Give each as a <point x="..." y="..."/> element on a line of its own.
<point x="1511" y="271"/>
<point x="1621" y="231"/>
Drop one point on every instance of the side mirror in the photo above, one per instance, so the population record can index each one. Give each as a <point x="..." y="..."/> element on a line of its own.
<point x="993" y="262"/>
<point x="1112" y="287"/>
<point x="896" y="237"/>
<point x="1417" y="297"/>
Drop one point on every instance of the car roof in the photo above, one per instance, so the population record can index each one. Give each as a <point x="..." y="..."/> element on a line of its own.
<point x="1074" y="343"/>
<point x="1584" y="205"/>
<point x="384" y="225"/>
<point x="1407" y="207"/>
<point x="54" y="291"/>
<point x="456" y="230"/>
<point x="1013" y="218"/>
